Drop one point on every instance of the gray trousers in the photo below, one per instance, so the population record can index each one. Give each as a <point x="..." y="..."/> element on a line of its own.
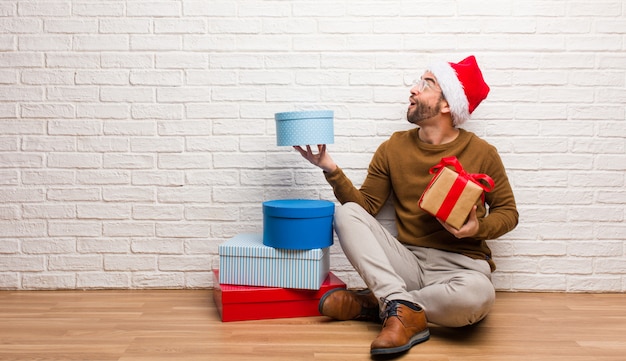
<point x="454" y="290"/>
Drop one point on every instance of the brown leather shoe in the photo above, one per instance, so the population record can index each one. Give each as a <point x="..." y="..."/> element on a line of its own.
<point x="342" y="304"/>
<point x="405" y="326"/>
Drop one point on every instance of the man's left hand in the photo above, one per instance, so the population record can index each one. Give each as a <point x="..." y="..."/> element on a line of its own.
<point x="469" y="229"/>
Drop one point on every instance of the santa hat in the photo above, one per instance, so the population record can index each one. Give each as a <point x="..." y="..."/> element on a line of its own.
<point x="462" y="85"/>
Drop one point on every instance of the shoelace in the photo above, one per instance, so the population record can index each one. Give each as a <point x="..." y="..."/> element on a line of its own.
<point x="391" y="309"/>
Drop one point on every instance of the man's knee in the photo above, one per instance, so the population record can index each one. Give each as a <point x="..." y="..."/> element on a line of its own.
<point x="482" y="306"/>
<point x="348" y="208"/>
<point x="470" y="302"/>
<point x="477" y="303"/>
<point x="347" y="211"/>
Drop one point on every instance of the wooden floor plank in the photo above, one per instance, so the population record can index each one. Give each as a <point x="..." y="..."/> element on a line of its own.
<point x="184" y="325"/>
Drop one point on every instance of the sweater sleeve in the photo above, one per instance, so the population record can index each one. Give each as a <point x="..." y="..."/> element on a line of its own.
<point x="502" y="216"/>
<point x="375" y="189"/>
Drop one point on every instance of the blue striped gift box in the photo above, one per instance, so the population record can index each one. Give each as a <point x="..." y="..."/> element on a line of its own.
<point x="245" y="260"/>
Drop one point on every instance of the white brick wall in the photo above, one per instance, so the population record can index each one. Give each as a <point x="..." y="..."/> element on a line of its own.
<point x="136" y="136"/>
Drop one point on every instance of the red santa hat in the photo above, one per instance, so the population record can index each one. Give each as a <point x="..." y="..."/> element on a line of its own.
<point x="462" y="85"/>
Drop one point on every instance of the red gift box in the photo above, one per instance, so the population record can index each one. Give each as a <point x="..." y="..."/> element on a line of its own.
<point x="451" y="195"/>
<point x="239" y="303"/>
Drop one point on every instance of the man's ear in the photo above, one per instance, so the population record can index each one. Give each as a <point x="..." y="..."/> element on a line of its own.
<point x="445" y="107"/>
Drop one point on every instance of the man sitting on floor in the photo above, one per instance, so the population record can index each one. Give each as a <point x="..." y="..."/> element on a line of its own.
<point x="431" y="272"/>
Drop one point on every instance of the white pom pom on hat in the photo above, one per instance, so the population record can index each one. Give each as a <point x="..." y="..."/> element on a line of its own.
<point x="462" y="85"/>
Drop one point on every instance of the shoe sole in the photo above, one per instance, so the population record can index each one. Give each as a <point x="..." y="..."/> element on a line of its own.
<point x="417" y="339"/>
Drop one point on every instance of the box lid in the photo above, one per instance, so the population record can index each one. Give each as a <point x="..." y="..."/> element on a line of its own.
<point x="306" y="114"/>
<point x="298" y="208"/>
<point x="248" y="294"/>
<point x="251" y="245"/>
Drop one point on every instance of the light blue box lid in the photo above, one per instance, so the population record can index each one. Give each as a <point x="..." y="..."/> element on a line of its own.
<point x="251" y="245"/>
<point x="310" y="127"/>
<point x="298" y="208"/>
<point x="304" y="114"/>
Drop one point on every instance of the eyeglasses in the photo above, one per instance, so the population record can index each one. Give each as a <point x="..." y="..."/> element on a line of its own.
<point x="422" y="85"/>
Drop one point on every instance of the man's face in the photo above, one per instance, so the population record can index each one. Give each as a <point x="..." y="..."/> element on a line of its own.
<point x="425" y="100"/>
<point x="421" y="110"/>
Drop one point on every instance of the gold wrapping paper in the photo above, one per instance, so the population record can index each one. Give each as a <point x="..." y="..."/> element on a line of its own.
<point x="435" y="195"/>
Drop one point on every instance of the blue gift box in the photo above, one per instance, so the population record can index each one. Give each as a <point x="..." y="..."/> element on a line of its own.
<point x="245" y="260"/>
<point x="298" y="223"/>
<point x="310" y="127"/>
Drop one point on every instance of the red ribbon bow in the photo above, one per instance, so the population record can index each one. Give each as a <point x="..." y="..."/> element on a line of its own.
<point x="459" y="184"/>
<point x="474" y="178"/>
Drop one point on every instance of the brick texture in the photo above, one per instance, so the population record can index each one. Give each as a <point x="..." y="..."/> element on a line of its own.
<point x="136" y="136"/>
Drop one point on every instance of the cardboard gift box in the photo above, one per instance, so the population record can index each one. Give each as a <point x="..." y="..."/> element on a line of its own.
<point x="298" y="223"/>
<point x="239" y="303"/>
<point x="451" y="194"/>
<point x="245" y="260"/>
<point x="309" y="127"/>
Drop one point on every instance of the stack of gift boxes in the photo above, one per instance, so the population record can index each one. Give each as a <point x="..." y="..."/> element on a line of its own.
<point x="282" y="272"/>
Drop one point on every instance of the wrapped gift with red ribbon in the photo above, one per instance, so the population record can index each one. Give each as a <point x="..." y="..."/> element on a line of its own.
<point x="451" y="194"/>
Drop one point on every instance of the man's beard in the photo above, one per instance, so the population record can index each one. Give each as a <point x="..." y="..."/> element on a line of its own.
<point x="422" y="111"/>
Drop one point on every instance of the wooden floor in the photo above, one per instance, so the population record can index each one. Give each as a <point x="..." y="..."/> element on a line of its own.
<point x="184" y="325"/>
